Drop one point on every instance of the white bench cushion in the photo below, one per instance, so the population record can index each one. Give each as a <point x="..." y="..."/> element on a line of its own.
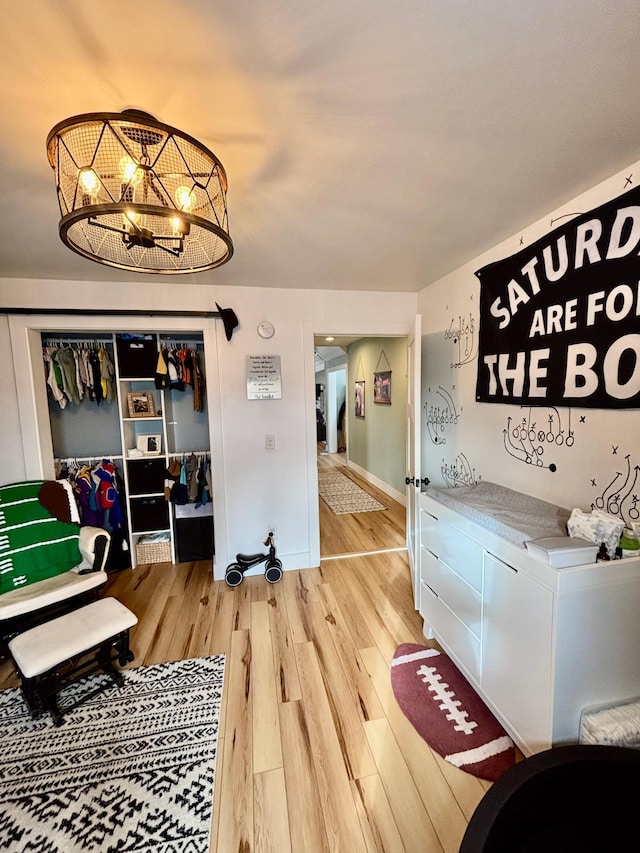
<point x="49" y="591"/>
<point x="42" y="648"/>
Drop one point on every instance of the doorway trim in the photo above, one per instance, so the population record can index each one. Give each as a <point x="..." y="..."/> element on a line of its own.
<point x="37" y="446"/>
<point x="374" y="329"/>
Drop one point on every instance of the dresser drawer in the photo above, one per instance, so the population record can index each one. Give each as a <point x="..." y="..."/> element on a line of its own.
<point x="429" y="531"/>
<point x="462" y="554"/>
<point x="458" y="595"/>
<point x="455" y="637"/>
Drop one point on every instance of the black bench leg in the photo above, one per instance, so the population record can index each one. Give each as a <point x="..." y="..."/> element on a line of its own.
<point x="105" y="661"/>
<point x="48" y="693"/>
<point x="32" y="696"/>
<point x="125" y="655"/>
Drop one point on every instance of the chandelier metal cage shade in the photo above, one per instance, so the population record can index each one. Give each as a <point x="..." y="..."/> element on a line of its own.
<point x="139" y="195"/>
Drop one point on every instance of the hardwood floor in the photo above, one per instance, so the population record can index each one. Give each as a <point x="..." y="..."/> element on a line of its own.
<point x="314" y="753"/>
<point x="363" y="531"/>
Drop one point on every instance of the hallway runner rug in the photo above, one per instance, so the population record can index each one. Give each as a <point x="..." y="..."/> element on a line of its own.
<point x="131" y="770"/>
<point x="343" y="496"/>
<point x="447" y="712"/>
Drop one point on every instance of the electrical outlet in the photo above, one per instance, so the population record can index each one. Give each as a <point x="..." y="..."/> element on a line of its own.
<point x="269" y="442"/>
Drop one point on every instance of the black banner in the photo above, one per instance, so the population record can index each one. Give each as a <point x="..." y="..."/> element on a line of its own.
<point x="560" y="321"/>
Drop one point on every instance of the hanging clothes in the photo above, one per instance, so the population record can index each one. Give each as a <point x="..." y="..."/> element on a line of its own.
<point x="192" y="465"/>
<point x="107" y="375"/>
<point x="78" y="372"/>
<point x="161" y="377"/>
<point x="198" y="383"/>
<point x="94" y="366"/>
<point x="53" y="371"/>
<point x="67" y="365"/>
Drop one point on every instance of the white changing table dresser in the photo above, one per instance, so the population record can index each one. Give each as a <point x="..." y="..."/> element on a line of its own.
<point x="539" y="644"/>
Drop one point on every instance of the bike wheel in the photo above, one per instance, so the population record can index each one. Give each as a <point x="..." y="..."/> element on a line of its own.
<point x="233" y="575"/>
<point x="273" y="571"/>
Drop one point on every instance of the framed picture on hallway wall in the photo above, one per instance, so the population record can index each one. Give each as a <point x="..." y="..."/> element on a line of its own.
<point x="382" y="387"/>
<point x="359" y="410"/>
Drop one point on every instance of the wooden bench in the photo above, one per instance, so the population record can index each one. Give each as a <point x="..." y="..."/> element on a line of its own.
<point x="53" y="655"/>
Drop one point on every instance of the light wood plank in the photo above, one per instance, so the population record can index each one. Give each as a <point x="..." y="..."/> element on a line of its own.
<point x="382" y="636"/>
<point x="301" y="585"/>
<point x="154" y="587"/>
<point x="296" y="599"/>
<point x="342" y="699"/>
<point x="364" y="695"/>
<point x="339" y="812"/>
<point x="235" y="828"/>
<point x="241" y="619"/>
<point x="267" y="752"/>
<point x="304" y="800"/>
<point x="376" y="818"/>
<point x="338" y="577"/>
<point x="284" y="663"/>
<point x="270" y="811"/>
<point x="223" y="620"/>
<point x="406" y="804"/>
<point x="392" y="620"/>
<point x="201" y="636"/>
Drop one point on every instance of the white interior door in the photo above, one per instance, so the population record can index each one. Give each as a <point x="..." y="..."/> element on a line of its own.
<point x="414" y="356"/>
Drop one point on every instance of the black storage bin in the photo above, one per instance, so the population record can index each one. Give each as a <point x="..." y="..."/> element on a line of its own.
<point x="146" y="476"/>
<point x="194" y="533"/>
<point x="149" y="514"/>
<point x="137" y="357"/>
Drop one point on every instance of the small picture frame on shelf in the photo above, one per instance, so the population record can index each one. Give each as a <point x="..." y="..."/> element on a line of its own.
<point x="150" y="445"/>
<point x="141" y="404"/>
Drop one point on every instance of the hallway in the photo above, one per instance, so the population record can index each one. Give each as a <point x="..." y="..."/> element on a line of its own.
<point x="362" y="532"/>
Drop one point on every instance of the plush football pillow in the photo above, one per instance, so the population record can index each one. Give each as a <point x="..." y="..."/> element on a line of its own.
<point x="34" y="544"/>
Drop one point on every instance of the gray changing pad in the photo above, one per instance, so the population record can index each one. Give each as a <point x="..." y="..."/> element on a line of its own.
<point x="510" y="514"/>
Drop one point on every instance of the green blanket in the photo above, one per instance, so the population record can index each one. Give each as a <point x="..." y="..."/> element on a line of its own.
<point x="34" y="545"/>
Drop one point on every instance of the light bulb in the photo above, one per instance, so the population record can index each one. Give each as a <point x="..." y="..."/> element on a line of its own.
<point x="89" y="180"/>
<point x="184" y="198"/>
<point x="177" y="224"/>
<point x="130" y="170"/>
<point x="132" y="216"/>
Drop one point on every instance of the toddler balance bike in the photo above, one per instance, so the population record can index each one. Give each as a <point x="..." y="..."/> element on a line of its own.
<point x="234" y="573"/>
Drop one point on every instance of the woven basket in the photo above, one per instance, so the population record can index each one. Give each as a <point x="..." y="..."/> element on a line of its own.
<point x="153" y="552"/>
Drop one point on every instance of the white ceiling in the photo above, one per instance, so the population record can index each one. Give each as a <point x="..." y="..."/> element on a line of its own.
<point x="369" y="145"/>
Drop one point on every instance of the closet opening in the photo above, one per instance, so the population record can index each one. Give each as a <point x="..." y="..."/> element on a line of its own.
<point x="129" y="426"/>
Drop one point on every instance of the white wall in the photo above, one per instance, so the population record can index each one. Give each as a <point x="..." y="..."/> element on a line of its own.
<point x="463" y="440"/>
<point x="11" y="455"/>
<point x="253" y="487"/>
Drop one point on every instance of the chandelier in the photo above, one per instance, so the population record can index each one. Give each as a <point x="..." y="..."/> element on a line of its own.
<point x="139" y="195"/>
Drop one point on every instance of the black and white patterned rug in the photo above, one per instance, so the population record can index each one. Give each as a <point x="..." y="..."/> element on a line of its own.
<point x="130" y="770"/>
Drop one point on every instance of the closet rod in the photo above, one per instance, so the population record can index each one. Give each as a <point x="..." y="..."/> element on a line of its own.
<point x="176" y="340"/>
<point x="227" y="315"/>
<point x="69" y="460"/>
<point x="55" y="339"/>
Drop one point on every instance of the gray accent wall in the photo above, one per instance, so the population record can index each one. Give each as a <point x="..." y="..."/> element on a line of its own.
<point x="378" y="442"/>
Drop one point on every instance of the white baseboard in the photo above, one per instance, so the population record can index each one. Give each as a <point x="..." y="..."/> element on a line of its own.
<point x="400" y="497"/>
